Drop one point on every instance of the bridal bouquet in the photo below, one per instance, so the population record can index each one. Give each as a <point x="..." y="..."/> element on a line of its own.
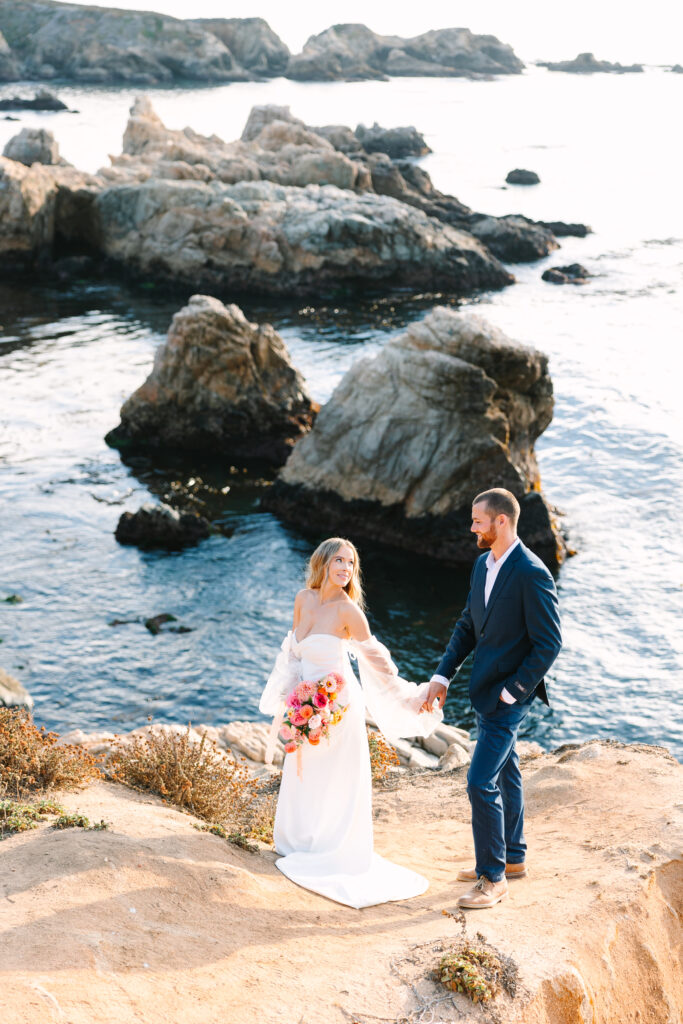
<point x="311" y="709"/>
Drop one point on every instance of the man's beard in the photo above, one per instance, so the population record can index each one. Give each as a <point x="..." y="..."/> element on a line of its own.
<point x="487" y="540"/>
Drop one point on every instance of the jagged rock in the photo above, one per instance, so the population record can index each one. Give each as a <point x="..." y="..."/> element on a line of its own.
<point x="454" y="757"/>
<point x="522" y="177"/>
<point x="409" y="437"/>
<point x="36" y="203"/>
<point x="572" y="274"/>
<point x="160" y="526"/>
<point x="258" y="236"/>
<point x="395" y="142"/>
<point x="587" y="64"/>
<point x="353" y="52"/>
<point x="260" y="116"/>
<point x="220" y="385"/>
<point x="341" y="137"/>
<point x="514" y="239"/>
<point x="252" y="43"/>
<point x="99" y="44"/>
<point x="10" y="68"/>
<point x="43" y="100"/>
<point x="33" y="146"/>
<point x="12" y="693"/>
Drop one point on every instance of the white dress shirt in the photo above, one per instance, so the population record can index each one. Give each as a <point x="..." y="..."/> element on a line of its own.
<point x="493" y="567"/>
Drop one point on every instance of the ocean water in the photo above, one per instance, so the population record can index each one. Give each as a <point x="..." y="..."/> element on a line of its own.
<point x="606" y="151"/>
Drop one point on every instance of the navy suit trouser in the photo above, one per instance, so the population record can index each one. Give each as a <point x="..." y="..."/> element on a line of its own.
<point x="494" y="786"/>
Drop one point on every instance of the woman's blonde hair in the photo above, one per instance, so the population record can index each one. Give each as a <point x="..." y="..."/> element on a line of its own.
<point x="318" y="567"/>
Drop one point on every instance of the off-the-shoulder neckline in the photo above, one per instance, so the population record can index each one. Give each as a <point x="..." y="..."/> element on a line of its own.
<point x="308" y="635"/>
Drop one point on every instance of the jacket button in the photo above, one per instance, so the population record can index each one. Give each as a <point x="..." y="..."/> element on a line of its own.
<point x="482" y="633"/>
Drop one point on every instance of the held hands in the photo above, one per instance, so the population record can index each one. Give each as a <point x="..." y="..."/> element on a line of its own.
<point x="437" y="691"/>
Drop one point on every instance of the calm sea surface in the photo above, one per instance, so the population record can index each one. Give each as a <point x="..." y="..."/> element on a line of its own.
<point x="607" y="153"/>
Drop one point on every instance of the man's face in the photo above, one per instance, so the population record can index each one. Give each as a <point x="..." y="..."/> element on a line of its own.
<point x="483" y="526"/>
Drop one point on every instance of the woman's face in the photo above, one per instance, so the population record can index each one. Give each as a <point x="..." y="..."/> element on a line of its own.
<point x="340" y="568"/>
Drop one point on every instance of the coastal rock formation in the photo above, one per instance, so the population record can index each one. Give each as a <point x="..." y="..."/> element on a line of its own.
<point x="160" y="526"/>
<point x="219" y="385"/>
<point x="12" y="693"/>
<point x="33" y="146"/>
<point x="395" y="142"/>
<point x="101" y="44"/>
<point x="587" y="64"/>
<point x="10" y="69"/>
<point x="353" y="52"/>
<point x="213" y="926"/>
<point x="256" y="235"/>
<point x="43" y="100"/>
<point x="520" y="176"/>
<point x="572" y="274"/>
<point x="515" y="239"/>
<point x="252" y="43"/>
<point x="410" y="436"/>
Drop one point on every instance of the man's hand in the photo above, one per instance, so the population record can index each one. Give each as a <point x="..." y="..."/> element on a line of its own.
<point x="437" y="691"/>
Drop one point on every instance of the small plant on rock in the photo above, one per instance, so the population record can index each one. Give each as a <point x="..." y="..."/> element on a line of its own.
<point x="76" y="820"/>
<point x="192" y="774"/>
<point x="383" y="757"/>
<point x="31" y="759"/>
<point x="473" y="970"/>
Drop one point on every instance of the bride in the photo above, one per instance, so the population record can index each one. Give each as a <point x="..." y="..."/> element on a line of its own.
<point x="323" y="821"/>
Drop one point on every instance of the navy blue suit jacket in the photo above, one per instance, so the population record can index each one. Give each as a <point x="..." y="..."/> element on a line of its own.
<point x="515" y="637"/>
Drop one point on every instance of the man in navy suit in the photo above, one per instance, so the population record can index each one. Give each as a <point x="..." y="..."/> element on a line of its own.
<point x="511" y="622"/>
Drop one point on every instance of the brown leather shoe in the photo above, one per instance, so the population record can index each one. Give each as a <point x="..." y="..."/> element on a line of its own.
<point x="484" y="894"/>
<point x="511" y="871"/>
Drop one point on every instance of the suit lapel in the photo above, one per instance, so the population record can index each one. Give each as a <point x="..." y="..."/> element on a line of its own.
<point x="503" y="575"/>
<point x="478" y="609"/>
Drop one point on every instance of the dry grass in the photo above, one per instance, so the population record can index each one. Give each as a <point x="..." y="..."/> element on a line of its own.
<point x="383" y="757"/>
<point x="193" y="775"/>
<point x="31" y="760"/>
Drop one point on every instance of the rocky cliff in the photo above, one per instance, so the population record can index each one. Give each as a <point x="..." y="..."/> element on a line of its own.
<point x="152" y="920"/>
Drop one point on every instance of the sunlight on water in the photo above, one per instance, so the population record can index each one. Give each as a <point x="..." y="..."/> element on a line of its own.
<point x="611" y="459"/>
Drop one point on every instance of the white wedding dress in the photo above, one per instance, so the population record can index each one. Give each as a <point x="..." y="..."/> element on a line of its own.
<point x="323" y="821"/>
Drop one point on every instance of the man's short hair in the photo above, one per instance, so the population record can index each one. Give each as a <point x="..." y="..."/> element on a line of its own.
<point x="498" y="502"/>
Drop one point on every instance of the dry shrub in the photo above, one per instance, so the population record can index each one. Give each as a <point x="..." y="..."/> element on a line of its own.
<point x="473" y="970"/>
<point x="382" y="756"/>
<point x="195" y="775"/>
<point x="31" y="760"/>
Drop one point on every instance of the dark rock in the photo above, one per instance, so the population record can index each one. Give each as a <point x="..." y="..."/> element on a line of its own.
<point x="521" y="177"/>
<point x="395" y="142"/>
<point x="353" y="52"/>
<point x="408" y="437"/>
<point x="587" y="64"/>
<point x="562" y="230"/>
<point x="160" y="526"/>
<point x="514" y="239"/>
<point x="220" y="386"/>
<point x="43" y="100"/>
<point x="572" y="274"/>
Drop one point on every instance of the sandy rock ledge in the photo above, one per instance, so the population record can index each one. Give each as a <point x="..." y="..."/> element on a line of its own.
<point x="153" y="921"/>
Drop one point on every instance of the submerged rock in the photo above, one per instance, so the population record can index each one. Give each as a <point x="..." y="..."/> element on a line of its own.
<point x="409" y="437"/>
<point x="220" y="386"/>
<point x="43" y="100"/>
<point x="587" y="64"/>
<point x="522" y="177"/>
<point x="12" y="693"/>
<point x="352" y="52"/>
<point x="515" y="239"/>
<point x="572" y="274"/>
<point x="160" y="526"/>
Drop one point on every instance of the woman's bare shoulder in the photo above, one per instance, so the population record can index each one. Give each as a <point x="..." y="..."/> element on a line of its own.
<point x="354" y="619"/>
<point x="305" y="596"/>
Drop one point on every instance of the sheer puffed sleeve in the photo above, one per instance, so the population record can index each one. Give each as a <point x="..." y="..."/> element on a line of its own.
<point x="393" y="703"/>
<point x="283" y="678"/>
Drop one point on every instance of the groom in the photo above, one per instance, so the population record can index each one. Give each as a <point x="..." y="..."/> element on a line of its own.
<point x="511" y="623"/>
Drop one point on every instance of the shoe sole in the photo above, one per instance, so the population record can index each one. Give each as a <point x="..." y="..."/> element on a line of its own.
<point x="462" y="877"/>
<point x="480" y="906"/>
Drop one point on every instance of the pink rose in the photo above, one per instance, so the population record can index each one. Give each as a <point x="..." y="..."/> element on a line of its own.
<point x="286" y="733"/>
<point x="297" y="719"/>
<point x="293" y="701"/>
<point x="320" y="700"/>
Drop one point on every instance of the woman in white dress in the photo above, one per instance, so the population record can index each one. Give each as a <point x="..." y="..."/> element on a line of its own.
<point x="323" y="822"/>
